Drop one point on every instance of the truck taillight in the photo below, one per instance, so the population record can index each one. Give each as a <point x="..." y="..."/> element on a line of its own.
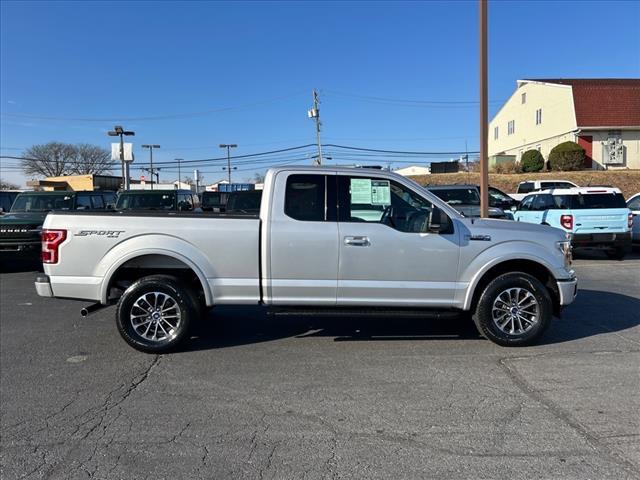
<point x="51" y="240"/>
<point x="630" y="220"/>
<point x="566" y="221"/>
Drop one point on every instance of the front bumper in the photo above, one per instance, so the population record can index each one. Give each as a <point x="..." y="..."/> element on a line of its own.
<point x="602" y="240"/>
<point x="20" y="246"/>
<point x="43" y="286"/>
<point x="567" y="290"/>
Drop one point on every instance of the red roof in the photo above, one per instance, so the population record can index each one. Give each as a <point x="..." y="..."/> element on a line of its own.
<point x="604" y="102"/>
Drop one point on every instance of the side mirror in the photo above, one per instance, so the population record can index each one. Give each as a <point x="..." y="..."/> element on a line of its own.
<point x="439" y="222"/>
<point x="514" y="208"/>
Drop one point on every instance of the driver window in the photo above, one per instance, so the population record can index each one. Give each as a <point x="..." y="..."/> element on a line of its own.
<point x="377" y="200"/>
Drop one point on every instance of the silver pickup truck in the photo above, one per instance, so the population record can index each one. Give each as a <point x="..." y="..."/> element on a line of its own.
<point x="349" y="240"/>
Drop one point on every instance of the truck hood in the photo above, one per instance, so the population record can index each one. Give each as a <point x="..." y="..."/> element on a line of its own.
<point x="23" y="218"/>
<point x="514" y="230"/>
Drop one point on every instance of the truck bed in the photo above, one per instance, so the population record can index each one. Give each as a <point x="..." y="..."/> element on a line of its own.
<point x="222" y="249"/>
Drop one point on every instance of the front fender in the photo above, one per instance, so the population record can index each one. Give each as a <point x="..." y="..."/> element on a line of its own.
<point x="167" y="245"/>
<point x="504" y="252"/>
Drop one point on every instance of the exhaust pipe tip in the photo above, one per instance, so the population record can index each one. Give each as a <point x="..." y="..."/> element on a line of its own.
<point x="89" y="309"/>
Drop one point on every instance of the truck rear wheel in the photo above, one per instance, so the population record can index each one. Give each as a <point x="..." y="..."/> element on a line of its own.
<point x="513" y="310"/>
<point x="154" y="314"/>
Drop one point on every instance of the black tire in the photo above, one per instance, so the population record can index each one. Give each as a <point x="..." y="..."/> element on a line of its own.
<point x="617" y="253"/>
<point x="483" y="315"/>
<point x="181" y="299"/>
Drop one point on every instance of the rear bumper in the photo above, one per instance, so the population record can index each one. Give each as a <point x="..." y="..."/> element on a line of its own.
<point x="603" y="240"/>
<point x="568" y="290"/>
<point x="43" y="286"/>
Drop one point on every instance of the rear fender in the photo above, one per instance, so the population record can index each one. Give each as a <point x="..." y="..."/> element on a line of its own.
<point x="162" y="245"/>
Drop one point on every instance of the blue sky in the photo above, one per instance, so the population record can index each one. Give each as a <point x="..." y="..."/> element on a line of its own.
<point x="249" y="69"/>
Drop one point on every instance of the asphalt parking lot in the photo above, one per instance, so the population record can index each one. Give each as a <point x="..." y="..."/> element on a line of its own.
<point x="254" y="396"/>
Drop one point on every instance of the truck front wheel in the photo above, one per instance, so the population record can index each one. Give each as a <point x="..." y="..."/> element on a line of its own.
<point x="154" y="313"/>
<point x="513" y="310"/>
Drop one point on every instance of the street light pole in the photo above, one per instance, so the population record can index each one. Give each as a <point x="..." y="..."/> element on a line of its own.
<point x="151" y="147"/>
<point x="228" y="147"/>
<point x="118" y="131"/>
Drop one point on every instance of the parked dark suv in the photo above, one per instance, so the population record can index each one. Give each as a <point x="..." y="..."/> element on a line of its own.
<point x="172" y="200"/>
<point x="466" y="199"/>
<point x="6" y="200"/>
<point x="20" y="228"/>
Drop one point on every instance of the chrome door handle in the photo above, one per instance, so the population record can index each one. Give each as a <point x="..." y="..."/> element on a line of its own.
<point x="357" y="241"/>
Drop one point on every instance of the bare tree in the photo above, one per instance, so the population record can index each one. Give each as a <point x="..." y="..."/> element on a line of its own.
<point x="258" y="177"/>
<point x="92" y="159"/>
<point x="50" y="160"/>
<point x="6" y="185"/>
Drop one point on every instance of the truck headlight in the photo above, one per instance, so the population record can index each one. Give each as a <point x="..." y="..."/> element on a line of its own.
<point x="565" y="247"/>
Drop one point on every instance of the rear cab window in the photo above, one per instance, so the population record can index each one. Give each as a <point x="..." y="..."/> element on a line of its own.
<point x="306" y="197"/>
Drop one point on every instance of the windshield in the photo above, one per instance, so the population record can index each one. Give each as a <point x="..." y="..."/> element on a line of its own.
<point x="459" y="196"/>
<point x="42" y="203"/>
<point x="151" y="201"/>
<point x="498" y="196"/>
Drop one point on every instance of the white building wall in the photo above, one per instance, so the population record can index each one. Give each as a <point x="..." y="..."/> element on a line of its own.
<point x="558" y="119"/>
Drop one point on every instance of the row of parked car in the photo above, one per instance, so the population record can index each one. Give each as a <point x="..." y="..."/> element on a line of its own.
<point x="595" y="216"/>
<point x="22" y="213"/>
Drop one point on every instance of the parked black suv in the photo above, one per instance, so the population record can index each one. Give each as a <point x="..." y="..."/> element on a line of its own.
<point x="20" y="228"/>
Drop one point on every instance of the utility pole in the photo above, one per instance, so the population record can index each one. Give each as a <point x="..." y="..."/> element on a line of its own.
<point x="228" y="167"/>
<point x="484" y="127"/>
<point x="314" y="113"/>
<point x="118" y="131"/>
<point x="179" y="160"/>
<point x="151" y="147"/>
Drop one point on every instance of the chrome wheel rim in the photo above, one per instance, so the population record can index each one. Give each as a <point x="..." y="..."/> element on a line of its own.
<point x="515" y="311"/>
<point x="155" y="316"/>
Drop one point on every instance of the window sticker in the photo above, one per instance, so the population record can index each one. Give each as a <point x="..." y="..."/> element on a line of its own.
<point x="380" y="192"/>
<point x="361" y="190"/>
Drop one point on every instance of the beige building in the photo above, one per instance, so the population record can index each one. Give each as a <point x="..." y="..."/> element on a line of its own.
<point x="78" y="183"/>
<point x="602" y="115"/>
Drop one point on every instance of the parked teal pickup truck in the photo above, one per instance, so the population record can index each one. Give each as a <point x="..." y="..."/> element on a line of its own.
<point x="596" y="217"/>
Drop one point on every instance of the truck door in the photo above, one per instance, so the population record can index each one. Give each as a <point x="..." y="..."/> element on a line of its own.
<point x="387" y="255"/>
<point x="303" y="240"/>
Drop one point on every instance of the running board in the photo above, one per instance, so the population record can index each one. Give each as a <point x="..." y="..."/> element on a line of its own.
<point x="365" y="312"/>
